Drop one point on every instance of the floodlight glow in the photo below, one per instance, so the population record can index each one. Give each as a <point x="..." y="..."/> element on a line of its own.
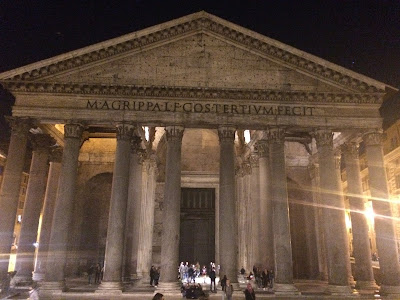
<point x="247" y="137"/>
<point x="146" y="133"/>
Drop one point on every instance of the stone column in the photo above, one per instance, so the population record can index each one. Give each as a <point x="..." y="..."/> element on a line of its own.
<point x="133" y="208"/>
<point x="9" y="193"/>
<point x="58" y="246"/>
<point x="241" y="213"/>
<point x="362" y="250"/>
<point x="255" y="206"/>
<point x="336" y="240"/>
<point x="227" y="211"/>
<point x="171" y="213"/>
<point x="33" y="204"/>
<point x="113" y="261"/>
<point x="318" y="213"/>
<point x="384" y="226"/>
<point x="266" y="236"/>
<point x="48" y="211"/>
<point x="146" y="225"/>
<point x="281" y="224"/>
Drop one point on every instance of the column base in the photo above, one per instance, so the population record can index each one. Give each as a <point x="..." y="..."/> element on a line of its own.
<point x="339" y="290"/>
<point x="285" y="289"/>
<point x="36" y="276"/>
<point x="388" y="290"/>
<point x="366" y="285"/>
<point x="110" y="287"/>
<point x="21" y="280"/>
<point x="169" y="288"/>
<point x="51" y="289"/>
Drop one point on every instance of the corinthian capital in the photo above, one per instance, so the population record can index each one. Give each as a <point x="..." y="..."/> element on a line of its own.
<point x="276" y="135"/>
<point x="226" y="133"/>
<point x="124" y="131"/>
<point x="174" y="133"/>
<point x="41" y="141"/>
<point x="350" y="149"/>
<point x="19" y="126"/>
<point x="373" y="138"/>
<point x="73" y="131"/>
<point x="324" y="137"/>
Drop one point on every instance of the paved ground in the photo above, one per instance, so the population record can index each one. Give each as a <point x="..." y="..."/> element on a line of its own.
<point x="79" y="289"/>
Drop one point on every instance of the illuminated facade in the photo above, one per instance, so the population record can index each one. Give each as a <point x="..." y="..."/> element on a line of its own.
<point x="195" y="140"/>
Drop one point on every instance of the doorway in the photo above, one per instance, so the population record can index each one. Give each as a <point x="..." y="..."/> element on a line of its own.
<point x="197" y="229"/>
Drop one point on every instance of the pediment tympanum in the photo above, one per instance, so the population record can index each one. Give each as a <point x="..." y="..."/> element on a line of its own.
<point x="199" y="70"/>
<point x="199" y="60"/>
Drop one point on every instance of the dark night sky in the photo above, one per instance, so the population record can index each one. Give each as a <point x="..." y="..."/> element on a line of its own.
<point x="360" y="35"/>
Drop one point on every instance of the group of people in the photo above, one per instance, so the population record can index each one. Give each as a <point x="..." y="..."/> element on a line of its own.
<point x="189" y="272"/>
<point x="97" y="271"/>
<point x="192" y="291"/>
<point x="154" y="276"/>
<point x="264" y="279"/>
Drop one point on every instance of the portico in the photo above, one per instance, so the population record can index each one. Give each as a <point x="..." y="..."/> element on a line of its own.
<point x="167" y="108"/>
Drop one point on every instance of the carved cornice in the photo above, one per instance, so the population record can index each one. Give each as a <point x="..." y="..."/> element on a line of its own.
<point x="163" y="92"/>
<point x="174" y="133"/>
<point x="202" y="23"/>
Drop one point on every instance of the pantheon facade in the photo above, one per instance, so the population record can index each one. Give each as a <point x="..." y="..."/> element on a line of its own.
<point x="195" y="140"/>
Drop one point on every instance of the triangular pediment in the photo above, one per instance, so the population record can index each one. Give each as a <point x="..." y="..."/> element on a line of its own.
<point x="198" y="50"/>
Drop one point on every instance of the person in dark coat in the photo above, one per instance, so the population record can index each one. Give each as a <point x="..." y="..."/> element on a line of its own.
<point x="223" y="283"/>
<point x="212" y="277"/>
<point x="152" y="273"/>
<point x="249" y="292"/>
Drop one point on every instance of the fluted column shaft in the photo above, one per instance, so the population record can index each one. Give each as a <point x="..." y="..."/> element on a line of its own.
<point x="9" y="193"/>
<point x="172" y="200"/>
<point x="384" y="225"/>
<point x="255" y="206"/>
<point x="280" y="206"/>
<point x="48" y="211"/>
<point x="118" y="205"/>
<point x="227" y="211"/>
<point x="332" y="201"/>
<point x="133" y="208"/>
<point x="63" y="209"/>
<point x="361" y="245"/>
<point x="265" y="228"/>
<point x="146" y="225"/>
<point x="33" y="204"/>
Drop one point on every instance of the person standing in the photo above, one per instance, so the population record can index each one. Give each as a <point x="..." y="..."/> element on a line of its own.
<point x="223" y="282"/>
<point x="90" y="273"/>
<point x="249" y="292"/>
<point x="97" y="275"/>
<point x="228" y="290"/>
<point x="212" y="278"/>
<point x="152" y="273"/>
